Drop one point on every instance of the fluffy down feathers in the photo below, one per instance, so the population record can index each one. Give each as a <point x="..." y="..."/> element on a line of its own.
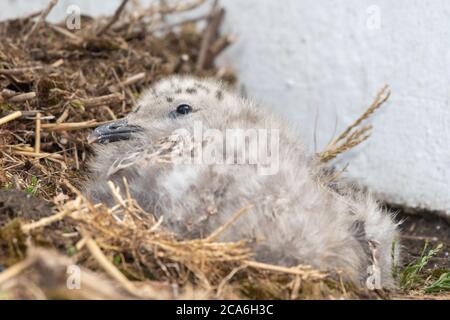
<point x="298" y="216"/>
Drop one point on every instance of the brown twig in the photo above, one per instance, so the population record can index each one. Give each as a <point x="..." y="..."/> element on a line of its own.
<point x="42" y="155"/>
<point x="10" y="117"/>
<point x="102" y="100"/>
<point x="216" y="234"/>
<point x="128" y="81"/>
<point x="69" y="126"/>
<point x="14" y="270"/>
<point x="57" y="63"/>
<point x="26" y="228"/>
<point x="37" y="140"/>
<point x="41" y="19"/>
<point x="22" y="97"/>
<point x="113" y="20"/>
<point x="104" y="262"/>
<point x="210" y="35"/>
<point x="303" y="271"/>
<point x="66" y="33"/>
<point x="15" y="71"/>
<point x="225" y="280"/>
<point x="218" y="46"/>
<point x="179" y="6"/>
<point x="179" y="23"/>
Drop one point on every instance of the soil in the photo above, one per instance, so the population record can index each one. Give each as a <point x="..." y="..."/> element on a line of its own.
<point x="20" y="204"/>
<point x="417" y="230"/>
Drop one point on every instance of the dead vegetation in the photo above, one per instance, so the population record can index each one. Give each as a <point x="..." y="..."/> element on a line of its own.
<point x="55" y="84"/>
<point x="355" y="133"/>
<point x="143" y="259"/>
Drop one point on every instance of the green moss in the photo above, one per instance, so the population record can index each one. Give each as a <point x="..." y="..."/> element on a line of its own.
<point x="32" y="188"/>
<point x="70" y="251"/>
<point x="5" y="108"/>
<point x="117" y="260"/>
<point x="77" y="104"/>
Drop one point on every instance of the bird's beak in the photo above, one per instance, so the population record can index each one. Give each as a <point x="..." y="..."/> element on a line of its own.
<point x="114" y="131"/>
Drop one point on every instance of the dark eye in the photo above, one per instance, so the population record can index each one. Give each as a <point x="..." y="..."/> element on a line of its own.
<point x="184" y="109"/>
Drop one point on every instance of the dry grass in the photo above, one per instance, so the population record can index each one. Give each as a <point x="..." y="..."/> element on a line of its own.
<point x="356" y="133"/>
<point x="146" y="261"/>
<point x="54" y="86"/>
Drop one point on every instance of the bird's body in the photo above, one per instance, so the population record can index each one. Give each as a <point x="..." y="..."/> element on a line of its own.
<point x="295" y="218"/>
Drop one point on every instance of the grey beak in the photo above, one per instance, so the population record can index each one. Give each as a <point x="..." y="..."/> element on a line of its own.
<point x="114" y="131"/>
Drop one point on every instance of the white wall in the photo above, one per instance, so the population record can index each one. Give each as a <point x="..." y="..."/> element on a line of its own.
<point x="16" y="8"/>
<point x="329" y="58"/>
<point x="320" y="57"/>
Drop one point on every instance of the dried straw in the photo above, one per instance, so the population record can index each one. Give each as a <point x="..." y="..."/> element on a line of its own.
<point x="354" y="134"/>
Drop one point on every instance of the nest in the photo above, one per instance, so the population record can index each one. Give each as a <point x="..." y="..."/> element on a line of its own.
<point x="55" y="85"/>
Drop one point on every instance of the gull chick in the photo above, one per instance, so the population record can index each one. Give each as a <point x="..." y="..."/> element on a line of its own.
<point x="197" y="182"/>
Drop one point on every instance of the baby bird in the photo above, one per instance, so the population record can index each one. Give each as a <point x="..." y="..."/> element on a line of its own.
<point x="196" y="153"/>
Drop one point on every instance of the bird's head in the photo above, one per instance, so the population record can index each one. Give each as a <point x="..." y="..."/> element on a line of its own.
<point x="175" y="103"/>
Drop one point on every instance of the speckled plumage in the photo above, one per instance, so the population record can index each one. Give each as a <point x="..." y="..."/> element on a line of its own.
<point x="297" y="218"/>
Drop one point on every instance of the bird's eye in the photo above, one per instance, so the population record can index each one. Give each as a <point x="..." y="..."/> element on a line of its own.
<point x="184" y="109"/>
